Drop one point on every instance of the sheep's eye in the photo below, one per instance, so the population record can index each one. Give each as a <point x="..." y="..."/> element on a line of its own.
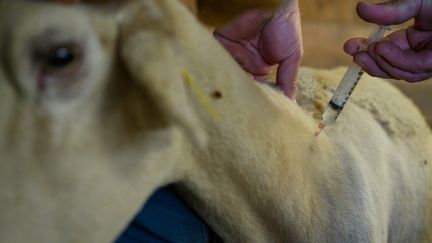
<point x="61" y="57"/>
<point x="59" y="61"/>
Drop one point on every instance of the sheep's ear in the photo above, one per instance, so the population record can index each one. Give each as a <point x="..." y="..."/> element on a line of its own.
<point x="218" y="12"/>
<point x="147" y="49"/>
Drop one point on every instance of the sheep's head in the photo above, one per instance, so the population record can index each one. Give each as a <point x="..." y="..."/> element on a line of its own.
<point x="92" y="117"/>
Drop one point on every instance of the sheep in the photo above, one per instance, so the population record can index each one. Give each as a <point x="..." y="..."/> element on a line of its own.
<point x="100" y="107"/>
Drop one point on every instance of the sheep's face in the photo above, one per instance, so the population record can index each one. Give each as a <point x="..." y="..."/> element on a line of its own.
<point x="53" y="74"/>
<point x="85" y="79"/>
<point x="91" y="114"/>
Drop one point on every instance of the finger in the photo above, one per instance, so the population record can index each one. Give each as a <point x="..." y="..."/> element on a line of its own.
<point x="388" y="13"/>
<point x="368" y="64"/>
<point x="419" y="39"/>
<point x="286" y="77"/>
<point x="400" y="38"/>
<point x="414" y="62"/>
<point x="286" y="7"/>
<point x="246" y="26"/>
<point x="248" y="58"/>
<point x="281" y="37"/>
<point x="352" y="46"/>
<point x="401" y="74"/>
<point x="423" y="21"/>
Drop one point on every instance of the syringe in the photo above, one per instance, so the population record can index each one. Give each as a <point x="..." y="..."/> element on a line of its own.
<point x="349" y="81"/>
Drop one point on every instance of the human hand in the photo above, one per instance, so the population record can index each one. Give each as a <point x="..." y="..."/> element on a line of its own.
<point x="259" y="39"/>
<point x="405" y="54"/>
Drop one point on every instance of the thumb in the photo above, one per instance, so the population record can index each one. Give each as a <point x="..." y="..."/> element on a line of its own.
<point x="388" y="13"/>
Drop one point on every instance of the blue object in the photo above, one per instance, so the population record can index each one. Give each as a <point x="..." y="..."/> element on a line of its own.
<point x="166" y="218"/>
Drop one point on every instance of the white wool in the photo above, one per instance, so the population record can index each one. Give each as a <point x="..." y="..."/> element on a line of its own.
<point x="80" y="171"/>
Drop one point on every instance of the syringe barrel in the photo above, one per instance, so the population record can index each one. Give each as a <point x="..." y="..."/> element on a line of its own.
<point x="346" y="86"/>
<point x="348" y="83"/>
<point x="354" y="73"/>
<point x="329" y="116"/>
<point x="342" y="93"/>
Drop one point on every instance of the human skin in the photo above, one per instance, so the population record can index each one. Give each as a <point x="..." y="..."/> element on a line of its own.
<point x="260" y="39"/>
<point x="405" y="54"/>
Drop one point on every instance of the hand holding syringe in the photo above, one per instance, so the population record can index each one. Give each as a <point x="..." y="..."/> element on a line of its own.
<point x="347" y="85"/>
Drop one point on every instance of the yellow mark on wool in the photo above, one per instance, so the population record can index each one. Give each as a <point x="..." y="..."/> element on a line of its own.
<point x="201" y="95"/>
